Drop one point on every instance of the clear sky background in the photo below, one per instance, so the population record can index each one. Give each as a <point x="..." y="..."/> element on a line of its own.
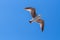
<point x="14" y="20"/>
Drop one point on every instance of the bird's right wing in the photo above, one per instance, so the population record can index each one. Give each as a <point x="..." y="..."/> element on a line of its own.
<point x="33" y="13"/>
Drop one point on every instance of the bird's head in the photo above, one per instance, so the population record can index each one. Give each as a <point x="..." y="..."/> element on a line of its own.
<point x="29" y="9"/>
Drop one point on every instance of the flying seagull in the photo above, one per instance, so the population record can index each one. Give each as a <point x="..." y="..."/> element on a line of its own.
<point x="35" y="17"/>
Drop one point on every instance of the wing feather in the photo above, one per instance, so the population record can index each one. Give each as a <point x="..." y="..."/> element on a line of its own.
<point x="41" y="22"/>
<point x="33" y="13"/>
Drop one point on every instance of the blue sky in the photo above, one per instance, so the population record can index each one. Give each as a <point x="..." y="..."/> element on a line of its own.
<point x="14" y="20"/>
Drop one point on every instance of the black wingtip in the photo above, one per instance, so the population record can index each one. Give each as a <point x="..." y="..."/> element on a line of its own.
<point x="29" y="8"/>
<point x="42" y="29"/>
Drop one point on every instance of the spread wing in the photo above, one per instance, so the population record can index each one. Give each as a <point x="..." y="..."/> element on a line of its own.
<point x="41" y="22"/>
<point x="33" y="13"/>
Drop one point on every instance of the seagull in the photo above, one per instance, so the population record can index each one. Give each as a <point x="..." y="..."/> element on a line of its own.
<point x="35" y="17"/>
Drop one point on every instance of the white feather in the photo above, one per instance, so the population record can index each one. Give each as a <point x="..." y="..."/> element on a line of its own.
<point x="28" y="10"/>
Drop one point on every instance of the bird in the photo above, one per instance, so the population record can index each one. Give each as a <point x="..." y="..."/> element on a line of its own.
<point x="35" y="17"/>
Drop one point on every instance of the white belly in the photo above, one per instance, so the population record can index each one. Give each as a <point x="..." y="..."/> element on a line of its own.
<point x="36" y="18"/>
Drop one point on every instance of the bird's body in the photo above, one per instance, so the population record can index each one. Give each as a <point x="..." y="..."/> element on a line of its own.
<point x="35" y="17"/>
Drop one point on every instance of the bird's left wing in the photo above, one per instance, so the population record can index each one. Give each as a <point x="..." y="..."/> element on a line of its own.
<point x="41" y="22"/>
